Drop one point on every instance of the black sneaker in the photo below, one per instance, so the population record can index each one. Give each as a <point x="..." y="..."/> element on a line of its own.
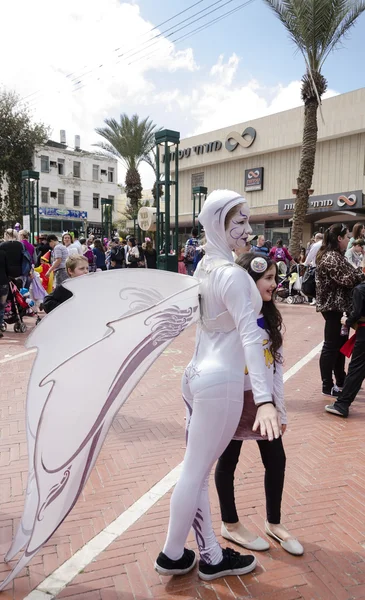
<point x="233" y="563"/>
<point x="334" y="410"/>
<point x="166" y="566"/>
<point x="332" y="393"/>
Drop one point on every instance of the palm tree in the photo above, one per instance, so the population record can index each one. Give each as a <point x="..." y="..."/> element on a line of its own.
<point x="131" y="141"/>
<point x="316" y="27"/>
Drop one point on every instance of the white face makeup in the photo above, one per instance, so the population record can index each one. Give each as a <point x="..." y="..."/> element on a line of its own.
<point x="238" y="228"/>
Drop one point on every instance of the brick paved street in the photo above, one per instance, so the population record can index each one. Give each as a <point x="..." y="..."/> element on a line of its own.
<point x="324" y="497"/>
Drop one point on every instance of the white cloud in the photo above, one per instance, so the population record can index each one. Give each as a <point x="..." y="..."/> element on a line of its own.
<point x="225" y="72"/>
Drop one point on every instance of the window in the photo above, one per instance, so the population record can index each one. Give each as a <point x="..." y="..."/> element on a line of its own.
<point x="112" y="199"/>
<point x="95" y="172"/>
<point x="53" y="194"/>
<point x="96" y="201"/>
<point x="61" y="166"/>
<point x="103" y="171"/>
<point x="61" y="196"/>
<point x="76" y="198"/>
<point x="77" y="169"/>
<point x="53" y="163"/>
<point x="110" y="175"/>
<point x="44" y="195"/>
<point x="45" y="164"/>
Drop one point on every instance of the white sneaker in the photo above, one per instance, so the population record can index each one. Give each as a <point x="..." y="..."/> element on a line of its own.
<point x="313" y="303"/>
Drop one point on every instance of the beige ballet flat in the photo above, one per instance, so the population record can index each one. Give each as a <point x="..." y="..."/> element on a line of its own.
<point x="258" y="545"/>
<point x="292" y="545"/>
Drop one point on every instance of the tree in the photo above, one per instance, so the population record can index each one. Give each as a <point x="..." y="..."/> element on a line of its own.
<point x="316" y="27"/>
<point x="18" y="139"/>
<point x="131" y="141"/>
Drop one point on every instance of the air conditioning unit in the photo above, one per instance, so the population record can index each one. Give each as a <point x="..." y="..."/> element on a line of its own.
<point x="53" y="194"/>
<point x="103" y="172"/>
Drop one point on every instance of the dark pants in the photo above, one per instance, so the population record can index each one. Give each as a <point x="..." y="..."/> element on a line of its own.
<point x="355" y="375"/>
<point x="332" y="360"/>
<point x="273" y="459"/>
<point x="4" y="289"/>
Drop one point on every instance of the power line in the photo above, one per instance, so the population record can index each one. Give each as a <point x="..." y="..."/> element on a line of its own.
<point x="198" y="29"/>
<point x="77" y="85"/>
<point x="147" y="33"/>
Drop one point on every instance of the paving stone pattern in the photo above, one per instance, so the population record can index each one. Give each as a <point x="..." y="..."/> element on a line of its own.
<point x="324" y="498"/>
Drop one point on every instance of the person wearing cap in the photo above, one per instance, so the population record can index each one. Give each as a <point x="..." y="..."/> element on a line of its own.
<point x="47" y="282"/>
<point x="42" y="248"/>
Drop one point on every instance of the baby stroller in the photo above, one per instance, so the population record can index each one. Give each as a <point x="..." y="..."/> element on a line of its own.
<point x="17" y="307"/>
<point x="289" y="289"/>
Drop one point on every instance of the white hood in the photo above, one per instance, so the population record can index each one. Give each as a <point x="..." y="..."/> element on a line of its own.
<point x="212" y="217"/>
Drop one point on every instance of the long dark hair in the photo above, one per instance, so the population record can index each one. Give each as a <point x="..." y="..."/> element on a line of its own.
<point x="98" y="244"/>
<point x="272" y="316"/>
<point x="330" y="240"/>
<point x="357" y="229"/>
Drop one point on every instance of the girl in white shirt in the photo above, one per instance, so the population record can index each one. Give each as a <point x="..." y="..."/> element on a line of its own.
<point x="213" y="385"/>
<point x="265" y="273"/>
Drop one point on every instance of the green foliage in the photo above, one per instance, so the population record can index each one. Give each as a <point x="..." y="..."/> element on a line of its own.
<point x="18" y="138"/>
<point x="133" y="188"/>
<point x="317" y="26"/>
<point x="131" y="140"/>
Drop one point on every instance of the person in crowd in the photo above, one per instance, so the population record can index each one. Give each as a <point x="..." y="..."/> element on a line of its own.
<point x="335" y="280"/>
<point x="261" y="247"/>
<point x="302" y="256"/>
<point x="117" y="254"/>
<point x="76" y="266"/>
<point x="355" y="254"/>
<point x="265" y="274"/>
<point x="90" y="241"/>
<point x="227" y="338"/>
<point x="24" y="239"/>
<point x="280" y="254"/>
<point x="99" y="254"/>
<point x="358" y="232"/>
<point x="76" y="243"/>
<point x="133" y="254"/>
<point x="83" y="245"/>
<point x="190" y="249"/>
<point x="47" y="281"/>
<point x="310" y="244"/>
<point x="310" y="260"/>
<point x="150" y="255"/>
<point x="14" y="253"/>
<point x="58" y="258"/>
<point x="142" y="260"/>
<point x="181" y="267"/>
<point x="4" y="286"/>
<point x="42" y="248"/>
<point x="67" y="243"/>
<point x="356" y="347"/>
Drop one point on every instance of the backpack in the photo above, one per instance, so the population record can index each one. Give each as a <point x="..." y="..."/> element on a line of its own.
<point x="26" y="262"/>
<point x="280" y="254"/>
<point x="190" y="253"/>
<point x="119" y="255"/>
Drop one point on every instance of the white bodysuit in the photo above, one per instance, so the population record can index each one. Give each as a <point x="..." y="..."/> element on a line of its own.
<point x="213" y="384"/>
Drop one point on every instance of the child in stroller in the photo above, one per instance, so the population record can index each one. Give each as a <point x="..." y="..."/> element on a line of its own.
<point x="18" y="305"/>
<point x="289" y="289"/>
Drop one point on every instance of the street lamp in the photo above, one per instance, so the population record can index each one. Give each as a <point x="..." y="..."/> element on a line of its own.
<point x="30" y="203"/>
<point x="167" y="139"/>
<point x="199" y="193"/>
<point x="106" y="217"/>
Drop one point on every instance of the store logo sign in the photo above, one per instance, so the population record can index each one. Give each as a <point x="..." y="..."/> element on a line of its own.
<point x="254" y="179"/>
<point x="346" y="200"/>
<point x="245" y="140"/>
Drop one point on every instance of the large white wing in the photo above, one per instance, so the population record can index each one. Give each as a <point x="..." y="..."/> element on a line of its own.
<point x="120" y="322"/>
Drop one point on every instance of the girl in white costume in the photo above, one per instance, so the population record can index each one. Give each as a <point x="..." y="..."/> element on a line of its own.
<point x="265" y="273"/>
<point x="227" y="338"/>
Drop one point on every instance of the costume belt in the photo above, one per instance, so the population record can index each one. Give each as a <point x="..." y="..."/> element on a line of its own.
<point x="348" y="347"/>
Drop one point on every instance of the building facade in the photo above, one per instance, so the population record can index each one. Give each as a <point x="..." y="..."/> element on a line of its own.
<point x="71" y="186"/>
<point x="260" y="159"/>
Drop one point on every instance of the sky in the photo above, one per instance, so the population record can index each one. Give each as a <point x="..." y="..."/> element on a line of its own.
<point x="88" y="60"/>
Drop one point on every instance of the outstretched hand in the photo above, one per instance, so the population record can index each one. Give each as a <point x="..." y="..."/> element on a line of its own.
<point x="267" y="418"/>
